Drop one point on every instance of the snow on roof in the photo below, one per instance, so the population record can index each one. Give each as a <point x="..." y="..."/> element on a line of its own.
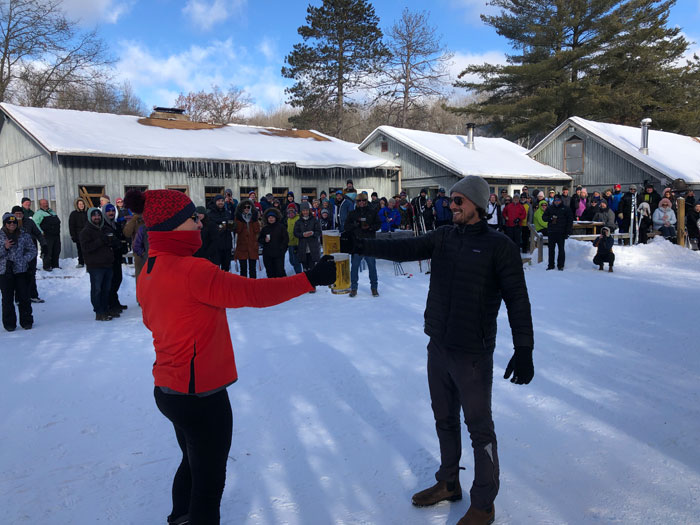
<point x="491" y="158"/>
<point x="85" y="133"/>
<point x="669" y="153"/>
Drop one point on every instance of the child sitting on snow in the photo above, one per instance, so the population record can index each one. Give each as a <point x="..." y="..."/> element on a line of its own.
<point x="605" y="254"/>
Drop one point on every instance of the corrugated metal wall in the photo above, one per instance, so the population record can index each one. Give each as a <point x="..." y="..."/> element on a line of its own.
<point x="24" y="165"/>
<point x="602" y="166"/>
<point x="419" y="172"/>
<point x="416" y="171"/>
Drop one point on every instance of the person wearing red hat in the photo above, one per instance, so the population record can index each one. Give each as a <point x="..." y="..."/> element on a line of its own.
<point x="184" y="301"/>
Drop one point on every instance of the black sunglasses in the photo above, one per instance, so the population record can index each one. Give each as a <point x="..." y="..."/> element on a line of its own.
<point x="195" y="217"/>
<point x="457" y="200"/>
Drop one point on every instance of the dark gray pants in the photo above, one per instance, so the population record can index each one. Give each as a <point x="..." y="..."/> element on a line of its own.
<point x="461" y="380"/>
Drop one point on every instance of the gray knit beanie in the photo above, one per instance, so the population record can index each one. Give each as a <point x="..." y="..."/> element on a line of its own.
<point x="473" y="188"/>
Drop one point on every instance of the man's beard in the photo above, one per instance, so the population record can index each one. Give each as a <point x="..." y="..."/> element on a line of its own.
<point x="464" y="218"/>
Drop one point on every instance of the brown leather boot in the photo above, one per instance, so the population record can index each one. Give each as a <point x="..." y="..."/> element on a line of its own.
<point x="476" y="516"/>
<point x="441" y="491"/>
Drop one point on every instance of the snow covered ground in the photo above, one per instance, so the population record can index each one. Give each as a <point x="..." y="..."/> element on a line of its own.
<point x="332" y="418"/>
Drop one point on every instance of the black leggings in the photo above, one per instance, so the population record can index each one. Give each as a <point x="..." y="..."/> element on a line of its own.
<point x="248" y="268"/>
<point x="203" y="427"/>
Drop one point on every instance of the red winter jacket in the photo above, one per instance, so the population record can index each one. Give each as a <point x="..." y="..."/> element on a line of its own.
<point x="514" y="211"/>
<point x="184" y="301"/>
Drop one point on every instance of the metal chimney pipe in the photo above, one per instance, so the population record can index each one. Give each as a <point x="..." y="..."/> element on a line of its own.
<point x="644" y="148"/>
<point x="470" y="135"/>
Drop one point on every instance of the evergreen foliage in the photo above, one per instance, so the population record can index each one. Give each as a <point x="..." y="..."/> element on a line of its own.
<point x="342" y="46"/>
<point x="606" y="60"/>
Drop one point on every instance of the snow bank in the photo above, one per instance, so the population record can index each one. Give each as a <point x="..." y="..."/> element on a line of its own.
<point x="332" y="418"/>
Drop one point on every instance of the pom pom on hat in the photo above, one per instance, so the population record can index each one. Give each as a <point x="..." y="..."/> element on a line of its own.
<point x="162" y="210"/>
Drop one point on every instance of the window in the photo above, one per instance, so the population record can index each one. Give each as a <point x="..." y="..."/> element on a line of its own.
<point x="137" y="188"/>
<point x="309" y="192"/>
<point x="573" y="155"/>
<point x="183" y="189"/>
<point x="245" y="190"/>
<point x="385" y="146"/>
<point x="44" y="192"/>
<point x="210" y="192"/>
<point x="29" y="192"/>
<point x="280" y="193"/>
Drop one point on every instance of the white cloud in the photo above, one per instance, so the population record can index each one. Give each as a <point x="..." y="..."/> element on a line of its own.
<point x="93" y="11"/>
<point x="268" y="48"/>
<point x="460" y="61"/>
<point x="473" y="9"/>
<point x="158" y="78"/>
<point x="205" y="14"/>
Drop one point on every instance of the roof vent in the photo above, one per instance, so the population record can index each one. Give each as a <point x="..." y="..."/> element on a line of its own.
<point x="169" y="113"/>
<point x="644" y="148"/>
<point x="470" y="135"/>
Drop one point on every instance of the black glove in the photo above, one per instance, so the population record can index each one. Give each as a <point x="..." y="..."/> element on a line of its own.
<point x="517" y="222"/>
<point x="323" y="274"/>
<point x="520" y="365"/>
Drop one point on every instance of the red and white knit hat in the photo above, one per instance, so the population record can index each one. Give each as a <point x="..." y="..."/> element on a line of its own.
<point x="162" y="210"/>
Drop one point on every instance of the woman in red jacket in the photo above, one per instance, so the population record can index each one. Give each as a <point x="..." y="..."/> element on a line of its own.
<point x="184" y="301"/>
<point x="515" y="216"/>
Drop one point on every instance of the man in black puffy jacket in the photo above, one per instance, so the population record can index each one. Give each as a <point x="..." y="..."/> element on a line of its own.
<point x="560" y="221"/>
<point x="473" y="268"/>
<point x="223" y="241"/>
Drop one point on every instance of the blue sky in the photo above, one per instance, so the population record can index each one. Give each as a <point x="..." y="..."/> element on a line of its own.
<point x="164" y="47"/>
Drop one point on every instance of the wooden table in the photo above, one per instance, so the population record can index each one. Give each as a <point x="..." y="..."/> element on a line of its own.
<point x="584" y="225"/>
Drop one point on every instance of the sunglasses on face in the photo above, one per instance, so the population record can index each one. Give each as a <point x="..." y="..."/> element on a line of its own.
<point x="195" y="217"/>
<point x="457" y="200"/>
<point x="361" y="200"/>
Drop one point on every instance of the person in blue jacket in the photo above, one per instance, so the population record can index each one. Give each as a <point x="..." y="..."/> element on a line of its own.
<point x="390" y="217"/>
<point x="443" y="214"/>
<point x="346" y="207"/>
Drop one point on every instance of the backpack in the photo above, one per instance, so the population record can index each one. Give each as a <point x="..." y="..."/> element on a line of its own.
<point x="51" y="225"/>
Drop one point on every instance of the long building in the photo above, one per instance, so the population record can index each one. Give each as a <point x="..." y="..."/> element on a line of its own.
<point x="599" y="155"/>
<point x="61" y="155"/>
<point x="432" y="160"/>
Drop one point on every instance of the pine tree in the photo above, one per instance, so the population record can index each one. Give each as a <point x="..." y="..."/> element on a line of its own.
<point x="608" y="60"/>
<point x="342" y="46"/>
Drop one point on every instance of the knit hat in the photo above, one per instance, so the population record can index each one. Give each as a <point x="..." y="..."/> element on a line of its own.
<point x="15" y="209"/>
<point x="326" y="211"/>
<point x="473" y="188"/>
<point x="217" y="198"/>
<point x="228" y="191"/>
<point x="633" y="186"/>
<point x="305" y="206"/>
<point x="338" y="192"/>
<point x="251" y="192"/>
<point x="110" y="207"/>
<point x="290" y="193"/>
<point x="163" y="210"/>
<point x="8" y="217"/>
<point x="441" y="190"/>
<point x="423" y="190"/>
<point x="25" y="199"/>
<point x="618" y="186"/>
<point x="291" y="207"/>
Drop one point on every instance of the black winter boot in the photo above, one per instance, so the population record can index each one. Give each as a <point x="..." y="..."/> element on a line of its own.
<point x="441" y="491"/>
